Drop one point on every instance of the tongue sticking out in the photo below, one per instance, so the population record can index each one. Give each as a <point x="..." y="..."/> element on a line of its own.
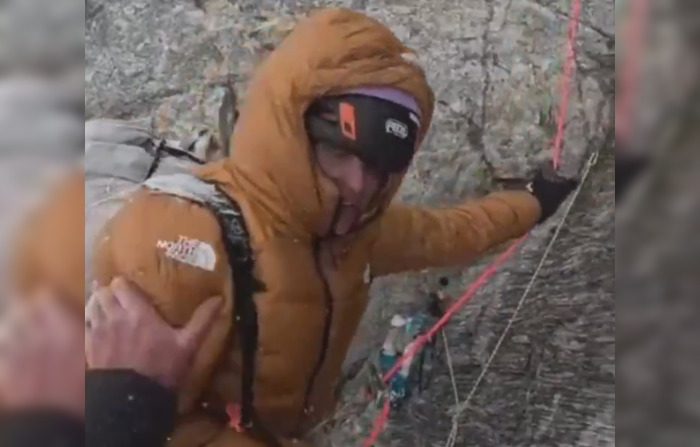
<point x="347" y="218"/>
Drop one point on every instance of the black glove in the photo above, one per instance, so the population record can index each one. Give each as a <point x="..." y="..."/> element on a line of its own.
<point x="45" y="427"/>
<point x="124" y="408"/>
<point x="550" y="189"/>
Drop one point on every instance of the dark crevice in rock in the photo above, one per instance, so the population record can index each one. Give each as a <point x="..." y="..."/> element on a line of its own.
<point x="475" y="134"/>
<point x="92" y="10"/>
<point x="506" y="12"/>
<point x="610" y="37"/>
<point x="485" y="55"/>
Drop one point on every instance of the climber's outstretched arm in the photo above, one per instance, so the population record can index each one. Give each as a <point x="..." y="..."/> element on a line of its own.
<point x="416" y="238"/>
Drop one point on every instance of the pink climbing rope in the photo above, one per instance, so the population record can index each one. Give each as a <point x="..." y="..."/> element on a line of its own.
<point x="565" y="93"/>
<point x="379" y="424"/>
<point x="635" y="36"/>
<point x="490" y="271"/>
<point x="382" y="420"/>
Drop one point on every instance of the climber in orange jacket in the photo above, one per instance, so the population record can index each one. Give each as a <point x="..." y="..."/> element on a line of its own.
<point x="330" y="126"/>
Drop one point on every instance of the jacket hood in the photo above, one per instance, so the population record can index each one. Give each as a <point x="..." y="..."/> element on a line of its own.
<point x="333" y="51"/>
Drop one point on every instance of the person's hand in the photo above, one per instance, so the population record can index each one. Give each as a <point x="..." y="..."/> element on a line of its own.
<point x="42" y="358"/>
<point x="550" y="189"/>
<point x="124" y="331"/>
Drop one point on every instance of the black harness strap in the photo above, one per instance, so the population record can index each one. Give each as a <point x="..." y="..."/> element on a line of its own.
<point x="158" y="153"/>
<point x="162" y="148"/>
<point x="240" y="256"/>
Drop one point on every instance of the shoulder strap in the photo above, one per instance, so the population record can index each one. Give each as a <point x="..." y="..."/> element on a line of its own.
<point x="240" y="257"/>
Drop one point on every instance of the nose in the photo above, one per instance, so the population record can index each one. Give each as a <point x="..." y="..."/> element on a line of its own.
<point x="352" y="180"/>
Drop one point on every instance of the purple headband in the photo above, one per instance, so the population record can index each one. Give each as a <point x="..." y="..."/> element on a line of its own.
<point x="390" y="94"/>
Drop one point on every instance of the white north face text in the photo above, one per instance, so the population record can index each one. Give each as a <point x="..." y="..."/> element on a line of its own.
<point x="190" y="251"/>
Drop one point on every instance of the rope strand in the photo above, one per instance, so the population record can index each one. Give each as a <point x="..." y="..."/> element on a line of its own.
<point x="491" y="270"/>
<point x="452" y="438"/>
<point x="463" y="406"/>
<point x="568" y="76"/>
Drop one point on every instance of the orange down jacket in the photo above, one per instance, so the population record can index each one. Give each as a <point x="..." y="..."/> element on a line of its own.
<point x="306" y="319"/>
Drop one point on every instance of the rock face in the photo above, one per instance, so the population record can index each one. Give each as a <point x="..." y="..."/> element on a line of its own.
<point x="495" y="66"/>
<point x="656" y="294"/>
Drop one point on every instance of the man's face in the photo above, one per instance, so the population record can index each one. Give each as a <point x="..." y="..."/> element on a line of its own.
<point x="355" y="183"/>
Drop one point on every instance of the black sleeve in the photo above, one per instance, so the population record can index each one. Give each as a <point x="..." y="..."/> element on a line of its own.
<point x="44" y="428"/>
<point x="124" y="408"/>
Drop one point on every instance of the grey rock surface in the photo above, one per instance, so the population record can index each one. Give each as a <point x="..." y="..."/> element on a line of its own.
<point x="657" y="252"/>
<point x="495" y="66"/>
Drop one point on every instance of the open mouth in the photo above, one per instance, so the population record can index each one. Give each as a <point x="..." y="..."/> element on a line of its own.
<point x="347" y="219"/>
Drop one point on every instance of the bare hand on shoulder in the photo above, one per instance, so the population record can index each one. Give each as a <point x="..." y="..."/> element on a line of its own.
<point x="124" y="331"/>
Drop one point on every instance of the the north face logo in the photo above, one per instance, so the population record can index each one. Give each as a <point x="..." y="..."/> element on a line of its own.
<point x="190" y="251"/>
<point x="396" y="128"/>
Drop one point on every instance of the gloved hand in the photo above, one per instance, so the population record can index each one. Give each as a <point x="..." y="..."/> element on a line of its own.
<point x="550" y="189"/>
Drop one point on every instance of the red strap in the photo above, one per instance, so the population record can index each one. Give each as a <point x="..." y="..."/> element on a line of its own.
<point x="233" y="411"/>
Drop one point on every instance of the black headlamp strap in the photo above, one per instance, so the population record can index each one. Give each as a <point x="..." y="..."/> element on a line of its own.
<point x="381" y="133"/>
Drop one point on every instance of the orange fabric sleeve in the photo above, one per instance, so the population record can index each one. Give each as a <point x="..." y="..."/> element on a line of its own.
<point x="49" y="249"/>
<point x="415" y="238"/>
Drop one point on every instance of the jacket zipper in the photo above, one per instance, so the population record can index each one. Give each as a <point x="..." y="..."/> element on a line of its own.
<point x="326" y="328"/>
